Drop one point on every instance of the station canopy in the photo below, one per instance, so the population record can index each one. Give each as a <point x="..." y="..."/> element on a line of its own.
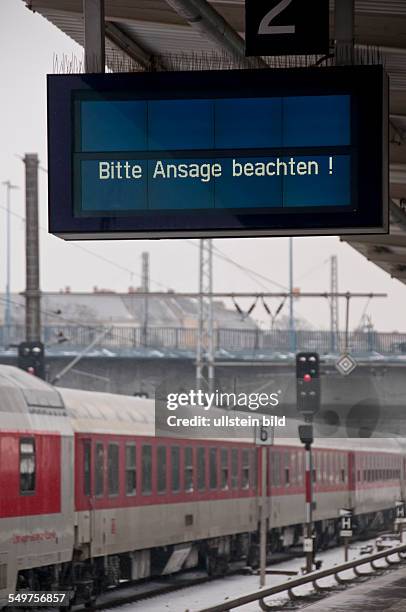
<point x="181" y="34"/>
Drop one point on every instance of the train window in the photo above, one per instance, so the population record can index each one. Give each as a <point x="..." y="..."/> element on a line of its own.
<point x="99" y="470"/>
<point x="213" y="468"/>
<point x="112" y="469"/>
<point x="224" y="468"/>
<point x="293" y="467"/>
<point x="234" y="468"/>
<point x="245" y="469"/>
<point x="201" y="468"/>
<point x="318" y="467"/>
<point x="27" y="465"/>
<point x="299" y="468"/>
<point x="87" y="461"/>
<point x="188" y="469"/>
<point x="276" y="479"/>
<point x="175" y="461"/>
<point x="130" y="469"/>
<point x="146" y="469"/>
<point x="161" y="469"/>
<point x="287" y="470"/>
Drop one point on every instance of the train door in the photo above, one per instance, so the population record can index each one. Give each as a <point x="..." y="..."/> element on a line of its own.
<point x="84" y="517"/>
<point x="98" y="527"/>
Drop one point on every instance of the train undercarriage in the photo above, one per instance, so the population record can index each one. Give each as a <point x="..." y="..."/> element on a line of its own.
<point x="86" y="578"/>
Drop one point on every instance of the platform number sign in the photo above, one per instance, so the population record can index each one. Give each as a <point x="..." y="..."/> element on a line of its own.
<point x="345" y="523"/>
<point x="286" y="27"/>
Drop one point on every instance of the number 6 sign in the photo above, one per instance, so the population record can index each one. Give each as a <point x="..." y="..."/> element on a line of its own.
<point x="286" y="27"/>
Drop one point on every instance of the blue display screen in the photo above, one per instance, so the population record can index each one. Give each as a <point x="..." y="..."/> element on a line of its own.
<point x="291" y="152"/>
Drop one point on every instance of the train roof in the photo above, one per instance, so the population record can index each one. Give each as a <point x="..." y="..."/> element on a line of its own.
<point x="21" y="392"/>
<point x="96" y="412"/>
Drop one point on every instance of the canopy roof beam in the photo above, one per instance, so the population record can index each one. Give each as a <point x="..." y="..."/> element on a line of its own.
<point x="204" y="18"/>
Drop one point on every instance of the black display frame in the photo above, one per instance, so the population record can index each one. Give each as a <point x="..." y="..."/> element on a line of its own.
<point x="367" y="86"/>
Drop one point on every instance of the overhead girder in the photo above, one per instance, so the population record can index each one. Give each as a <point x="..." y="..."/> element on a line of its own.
<point x="204" y="18"/>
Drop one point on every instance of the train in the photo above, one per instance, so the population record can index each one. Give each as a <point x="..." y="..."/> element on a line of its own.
<point x="91" y="497"/>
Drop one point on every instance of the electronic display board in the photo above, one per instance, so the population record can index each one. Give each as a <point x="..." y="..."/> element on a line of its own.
<point x="234" y="153"/>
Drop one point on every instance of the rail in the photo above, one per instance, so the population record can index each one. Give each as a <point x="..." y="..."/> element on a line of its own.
<point x="232" y="339"/>
<point x="259" y="596"/>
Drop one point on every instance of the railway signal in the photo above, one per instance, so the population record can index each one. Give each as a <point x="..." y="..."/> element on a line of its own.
<point x="308" y="383"/>
<point x="31" y="358"/>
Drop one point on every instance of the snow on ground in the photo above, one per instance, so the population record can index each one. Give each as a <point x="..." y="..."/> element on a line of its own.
<point x="194" y="598"/>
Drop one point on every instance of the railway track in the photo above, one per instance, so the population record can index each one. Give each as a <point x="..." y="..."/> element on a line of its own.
<point x="128" y="592"/>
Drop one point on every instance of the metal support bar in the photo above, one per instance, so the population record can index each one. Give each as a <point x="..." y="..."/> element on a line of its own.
<point x="320" y="589"/>
<point x="204" y="18"/>
<point x="247" y="294"/>
<point x="344" y="28"/>
<point x="340" y="580"/>
<point x="130" y="47"/>
<point x="95" y="51"/>
<point x="376" y="567"/>
<point x="361" y="574"/>
<point x="78" y="357"/>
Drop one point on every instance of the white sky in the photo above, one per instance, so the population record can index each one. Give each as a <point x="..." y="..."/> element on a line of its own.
<point x="28" y="44"/>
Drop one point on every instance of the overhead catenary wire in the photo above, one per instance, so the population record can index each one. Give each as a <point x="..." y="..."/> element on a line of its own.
<point x="97" y="255"/>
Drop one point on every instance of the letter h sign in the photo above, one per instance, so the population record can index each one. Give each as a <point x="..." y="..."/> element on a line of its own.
<point x="346" y="523"/>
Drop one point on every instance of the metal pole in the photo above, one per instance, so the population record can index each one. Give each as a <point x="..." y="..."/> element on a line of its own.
<point x="78" y="357"/>
<point x="309" y="505"/>
<point x="344" y="19"/>
<point x="210" y="320"/>
<point x="95" y="53"/>
<point x="347" y="322"/>
<point x="346" y="548"/>
<point x="205" y="351"/>
<point x="145" y="288"/>
<point x="200" y="329"/>
<point x="334" y="341"/>
<point x="263" y="524"/>
<point x="292" y="330"/>
<point x="7" y="310"/>
<point x="32" y="291"/>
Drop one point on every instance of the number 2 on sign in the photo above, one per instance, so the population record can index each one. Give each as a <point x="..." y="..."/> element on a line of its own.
<point x="265" y="25"/>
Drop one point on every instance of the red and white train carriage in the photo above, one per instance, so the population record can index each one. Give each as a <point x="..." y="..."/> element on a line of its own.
<point x="89" y="495"/>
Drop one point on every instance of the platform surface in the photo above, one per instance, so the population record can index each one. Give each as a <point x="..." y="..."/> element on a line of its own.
<point x="384" y="593"/>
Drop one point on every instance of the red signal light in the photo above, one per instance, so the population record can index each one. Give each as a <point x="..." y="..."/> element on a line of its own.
<point x="307" y="378"/>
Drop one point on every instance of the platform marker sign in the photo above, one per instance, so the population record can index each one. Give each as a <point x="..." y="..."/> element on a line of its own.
<point x="287" y="27"/>
<point x="218" y="153"/>
<point x="346" y="364"/>
<point x="345" y="523"/>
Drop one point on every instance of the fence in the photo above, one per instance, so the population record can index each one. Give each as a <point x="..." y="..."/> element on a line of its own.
<point x="183" y="338"/>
